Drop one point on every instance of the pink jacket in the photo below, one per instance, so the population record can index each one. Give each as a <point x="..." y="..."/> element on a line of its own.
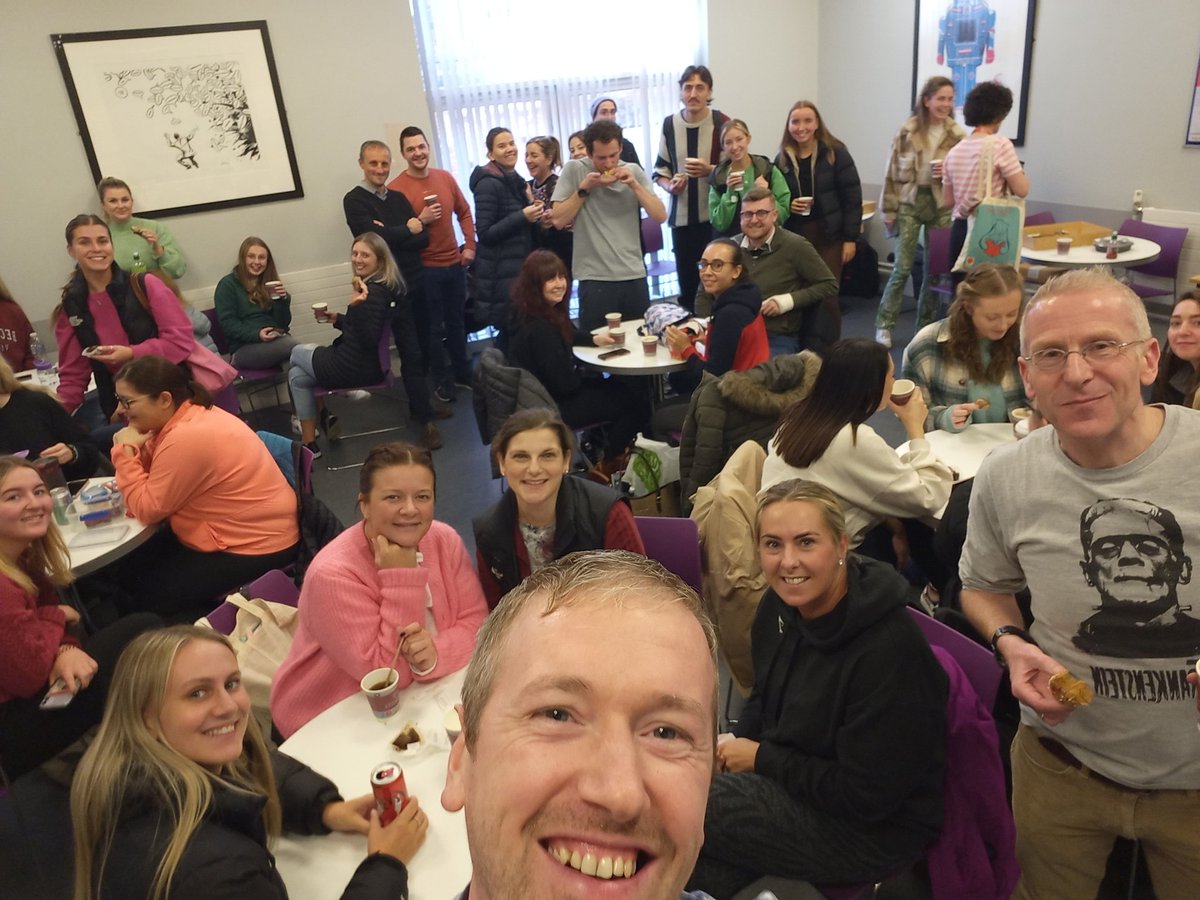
<point x="351" y="612"/>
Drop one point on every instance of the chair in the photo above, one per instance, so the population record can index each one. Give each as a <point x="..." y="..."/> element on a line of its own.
<point x="1166" y="266"/>
<point x="1045" y="217"/>
<point x="675" y="543"/>
<point x="388" y="381"/>
<point x="1037" y="273"/>
<point x="274" y="585"/>
<point x="977" y="661"/>
<point x="937" y="240"/>
<point x="246" y="376"/>
<point x="657" y="268"/>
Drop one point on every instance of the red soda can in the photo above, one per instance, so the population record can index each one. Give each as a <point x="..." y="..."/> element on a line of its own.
<point x="391" y="793"/>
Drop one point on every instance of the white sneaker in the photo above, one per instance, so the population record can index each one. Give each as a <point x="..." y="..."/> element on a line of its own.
<point x="358" y="395"/>
<point x="295" y="425"/>
<point x="884" y="336"/>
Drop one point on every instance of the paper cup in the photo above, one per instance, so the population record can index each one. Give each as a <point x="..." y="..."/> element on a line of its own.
<point x="1064" y="245"/>
<point x="382" y="687"/>
<point x="452" y="725"/>
<point x="320" y="309"/>
<point x="650" y="345"/>
<point x="430" y="199"/>
<point x="808" y="202"/>
<point x="618" y="336"/>
<point x="1020" y="414"/>
<point x="935" y="168"/>
<point x="902" y="390"/>
<point x="613" y="320"/>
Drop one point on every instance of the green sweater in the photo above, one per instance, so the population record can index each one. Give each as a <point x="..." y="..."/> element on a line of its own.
<point x="126" y="243"/>
<point x="242" y="320"/>
<point x="789" y="265"/>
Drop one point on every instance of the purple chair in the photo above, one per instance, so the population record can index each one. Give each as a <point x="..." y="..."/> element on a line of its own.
<point x="1040" y="218"/>
<point x="652" y="245"/>
<point x="1166" y="266"/>
<point x="245" y="375"/>
<point x="940" y="263"/>
<point x="274" y="585"/>
<point x="674" y="542"/>
<point x="976" y="661"/>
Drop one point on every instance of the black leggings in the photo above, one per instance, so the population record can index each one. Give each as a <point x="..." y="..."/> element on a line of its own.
<point x="611" y="402"/>
<point x="29" y="736"/>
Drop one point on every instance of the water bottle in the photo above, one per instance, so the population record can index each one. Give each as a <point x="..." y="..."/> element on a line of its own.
<point x="44" y="369"/>
<point x="138" y="267"/>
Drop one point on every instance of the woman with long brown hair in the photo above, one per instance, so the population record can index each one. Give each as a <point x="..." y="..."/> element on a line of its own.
<point x="541" y="340"/>
<point x="179" y="795"/>
<point x="966" y="364"/>
<point x="1179" y="366"/>
<point x="254" y="309"/>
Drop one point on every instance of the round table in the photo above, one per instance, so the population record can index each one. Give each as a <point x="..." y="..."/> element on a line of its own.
<point x="965" y="450"/>
<point x="344" y="743"/>
<point x="1142" y="251"/>
<point x="91" y="549"/>
<point x="636" y="361"/>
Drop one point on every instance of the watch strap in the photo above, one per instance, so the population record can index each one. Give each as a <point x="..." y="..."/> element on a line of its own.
<point x="1001" y="632"/>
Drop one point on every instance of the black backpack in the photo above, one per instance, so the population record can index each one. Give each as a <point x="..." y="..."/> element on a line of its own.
<point x="860" y="277"/>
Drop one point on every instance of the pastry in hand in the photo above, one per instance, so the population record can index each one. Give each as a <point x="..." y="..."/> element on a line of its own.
<point x="982" y="404"/>
<point x="1068" y="689"/>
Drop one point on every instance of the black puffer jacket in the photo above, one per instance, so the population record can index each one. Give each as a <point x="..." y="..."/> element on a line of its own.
<point x="726" y="412"/>
<point x="837" y="194"/>
<point x="353" y="359"/>
<point x="227" y="856"/>
<point x="505" y="237"/>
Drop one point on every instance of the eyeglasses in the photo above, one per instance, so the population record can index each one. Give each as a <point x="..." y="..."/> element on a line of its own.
<point x="756" y="213"/>
<point x="126" y="402"/>
<point x="715" y="264"/>
<point x="1054" y="359"/>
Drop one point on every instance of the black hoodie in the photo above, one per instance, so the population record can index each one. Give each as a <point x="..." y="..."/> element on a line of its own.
<point x="849" y="708"/>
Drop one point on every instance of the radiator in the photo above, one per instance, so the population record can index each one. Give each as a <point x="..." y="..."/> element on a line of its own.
<point x="1189" y="259"/>
<point x="327" y="284"/>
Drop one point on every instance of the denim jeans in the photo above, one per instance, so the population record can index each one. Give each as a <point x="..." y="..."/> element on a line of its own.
<point x="302" y="379"/>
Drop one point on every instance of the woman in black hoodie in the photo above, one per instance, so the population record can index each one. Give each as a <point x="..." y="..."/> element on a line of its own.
<point x="836" y="773"/>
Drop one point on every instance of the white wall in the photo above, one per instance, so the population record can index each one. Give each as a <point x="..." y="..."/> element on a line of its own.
<point x="325" y="57"/>
<point x="1110" y="90"/>
<point x="763" y="55"/>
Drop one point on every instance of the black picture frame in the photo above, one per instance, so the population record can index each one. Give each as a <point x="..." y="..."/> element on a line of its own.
<point x="192" y="116"/>
<point x="963" y="24"/>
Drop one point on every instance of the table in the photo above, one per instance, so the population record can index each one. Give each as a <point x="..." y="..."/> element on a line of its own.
<point x="964" y="451"/>
<point x="635" y="362"/>
<point x="344" y="743"/>
<point x="1142" y="251"/>
<point x="126" y="535"/>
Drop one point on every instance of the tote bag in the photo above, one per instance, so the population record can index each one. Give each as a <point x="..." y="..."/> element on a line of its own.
<point x="261" y="638"/>
<point x="994" y="228"/>
<point x="210" y="371"/>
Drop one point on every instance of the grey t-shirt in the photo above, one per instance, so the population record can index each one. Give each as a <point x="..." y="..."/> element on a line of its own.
<point x="608" y="231"/>
<point x="1107" y="555"/>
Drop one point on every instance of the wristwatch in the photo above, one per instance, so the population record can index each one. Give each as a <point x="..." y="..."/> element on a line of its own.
<point x="1001" y="632"/>
<point x="581" y="194"/>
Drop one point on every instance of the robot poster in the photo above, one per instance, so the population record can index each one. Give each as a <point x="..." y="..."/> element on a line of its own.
<point x="970" y="41"/>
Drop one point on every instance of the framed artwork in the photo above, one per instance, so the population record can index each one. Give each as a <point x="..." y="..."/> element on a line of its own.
<point x="192" y="116"/>
<point x="1193" y="132"/>
<point x="970" y="41"/>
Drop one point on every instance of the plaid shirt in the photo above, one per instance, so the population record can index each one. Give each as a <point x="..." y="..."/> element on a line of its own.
<point x="946" y="382"/>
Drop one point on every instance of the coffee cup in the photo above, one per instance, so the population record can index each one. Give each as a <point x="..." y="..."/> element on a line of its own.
<point x="452" y="724"/>
<point x="902" y="391"/>
<point x="690" y="163"/>
<point x="1019" y="414"/>
<point x="649" y="345"/>
<point x="382" y="687"/>
<point x="275" y="288"/>
<point x="1064" y="245"/>
<point x="736" y="180"/>
<point x="805" y="205"/>
<point x="618" y="336"/>
<point x="612" y="320"/>
<point x="936" y="168"/>
<point x="430" y="199"/>
<point x="321" y="311"/>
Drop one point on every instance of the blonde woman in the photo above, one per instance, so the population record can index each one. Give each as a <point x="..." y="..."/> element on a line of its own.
<point x="739" y="171"/>
<point x="178" y="796"/>
<point x="912" y="196"/>
<point x="42" y="642"/>
<point x="966" y="364"/>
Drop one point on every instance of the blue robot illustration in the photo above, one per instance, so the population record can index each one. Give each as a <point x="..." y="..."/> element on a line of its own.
<point x="966" y="40"/>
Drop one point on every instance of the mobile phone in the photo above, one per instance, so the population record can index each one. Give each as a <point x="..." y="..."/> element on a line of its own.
<point x="609" y="354"/>
<point x="89" y="352"/>
<point x="57" y="697"/>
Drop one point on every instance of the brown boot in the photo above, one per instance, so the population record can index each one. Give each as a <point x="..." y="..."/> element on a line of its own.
<point x="431" y="437"/>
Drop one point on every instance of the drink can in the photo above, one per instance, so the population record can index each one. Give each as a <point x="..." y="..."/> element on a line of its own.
<point x="62" y="499"/>
<point x="391" y="793"/>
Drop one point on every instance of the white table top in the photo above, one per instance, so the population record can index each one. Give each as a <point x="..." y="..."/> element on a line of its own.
<point x="636" y="361"/>
<point x="344" y="743"/>
<point x="964" y="452"/>
<point x="123" y="536"/>
<point x="1142" y="251"/>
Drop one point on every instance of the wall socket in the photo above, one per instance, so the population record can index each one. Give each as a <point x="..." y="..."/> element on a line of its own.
<point x="1137" y="197"/>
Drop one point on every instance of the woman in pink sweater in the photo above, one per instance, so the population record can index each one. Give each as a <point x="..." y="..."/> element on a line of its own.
<point x="231" y="512"/>
<point x="398" y="577"/>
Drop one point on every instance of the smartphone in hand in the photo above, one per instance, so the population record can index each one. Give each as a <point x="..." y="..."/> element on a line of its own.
<point x="58" y="697"/>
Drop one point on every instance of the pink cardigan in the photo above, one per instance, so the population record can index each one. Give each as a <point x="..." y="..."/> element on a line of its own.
<point x="351" y="612"/>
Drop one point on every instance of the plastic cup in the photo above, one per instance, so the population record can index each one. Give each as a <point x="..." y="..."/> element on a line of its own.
<point x="613" y="320"/>
<point x="806" y="210"/>
<point x="382" y="687"/>
<point x="452" y="725"/>
<point x="1064" y="246"/>
<point x="902" y="391"/>
<point x="618" y="336"/>
<point x="650" y="345"/>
